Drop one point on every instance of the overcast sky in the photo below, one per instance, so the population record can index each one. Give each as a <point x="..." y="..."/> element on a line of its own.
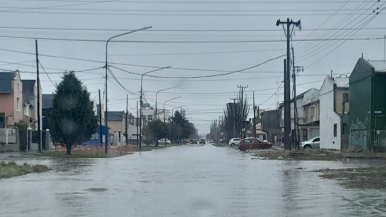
<point x="229" y="35"/>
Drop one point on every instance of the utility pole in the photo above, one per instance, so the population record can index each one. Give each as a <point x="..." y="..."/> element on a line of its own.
<point x="127" y="111"/>
<point x="241" y="104"/>
<point x="296" y="114"/>
<point x="38" y="84"/>
<point x="234" y="116"/>
<point x="136" y="123"/>
<point x="254" y="116"/>
<point x="100" y="118"/>
<point x="384" y="47"/>
<point x="287" y="71"/>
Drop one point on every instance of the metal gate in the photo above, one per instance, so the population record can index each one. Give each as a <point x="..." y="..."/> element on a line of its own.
<point x="380" y="139"/>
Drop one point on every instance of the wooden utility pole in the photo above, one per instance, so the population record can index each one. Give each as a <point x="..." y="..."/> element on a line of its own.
<point x="234" y="116"/>
<point x="254" y="116"/>
<point x="127" y="111"/>
<point x="287" y="99"/>
<point x="38" y="88"/>
<point x="100" y="118"/>
<point x="136" y="123"/>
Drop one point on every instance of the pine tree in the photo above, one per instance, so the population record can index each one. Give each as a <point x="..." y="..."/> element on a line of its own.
<point x="71" y="119"/>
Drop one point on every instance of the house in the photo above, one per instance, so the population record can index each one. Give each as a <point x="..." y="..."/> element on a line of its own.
<point x="304" y="101"/>
<point x="270" y="123"/>
<point x="333" y="133"/>
<point x="311" y="115"/>
<point x="11" y="98"/>
<point x="116" y="121"/>
<point x="259" y="133"/>
<point x="30" y="103"/>
<point x="368" y="105"/>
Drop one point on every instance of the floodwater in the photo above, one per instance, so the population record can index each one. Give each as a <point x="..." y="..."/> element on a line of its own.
<point x="188" y="180"/>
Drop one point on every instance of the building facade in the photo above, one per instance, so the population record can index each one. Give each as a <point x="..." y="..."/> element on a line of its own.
<point x="333" y="132"/>
<point x="368" y="105"/>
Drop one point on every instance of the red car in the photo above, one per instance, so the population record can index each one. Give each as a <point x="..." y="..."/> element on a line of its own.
<point x="253" y="143"/>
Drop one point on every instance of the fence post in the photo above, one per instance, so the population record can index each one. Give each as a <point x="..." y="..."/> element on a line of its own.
<point x="29" y="138"/>
<point x="48" y="139"/>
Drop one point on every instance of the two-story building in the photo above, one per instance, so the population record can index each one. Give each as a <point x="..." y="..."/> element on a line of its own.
<point x="30" y="103"/>
<point x="333" y="132"/>
<point x="311" y="115"/>
<point x="367" y="100"/>
<point x="11" y="98"/>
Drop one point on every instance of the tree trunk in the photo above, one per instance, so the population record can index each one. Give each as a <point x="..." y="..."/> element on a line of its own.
<point x="68" y="149"/>
<point x="156" y="142"/>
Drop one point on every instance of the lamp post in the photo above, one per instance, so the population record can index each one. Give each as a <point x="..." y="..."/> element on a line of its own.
<point x="156" y="102"/>
<point x="164" y="108"/>
<point x="141" y="102"/>
<point x="107" y="43"/>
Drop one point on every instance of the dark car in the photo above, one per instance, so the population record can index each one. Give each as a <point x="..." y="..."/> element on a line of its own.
<point x="193" y="141"/>
<point x="253" y="143"/>
<point x="202" y="141"/>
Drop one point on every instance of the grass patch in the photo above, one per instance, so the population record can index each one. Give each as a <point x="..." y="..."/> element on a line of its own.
<point x="12" y="169"/>
<point x="300" y="155"/>
<point x="363" y="178"/>
<point x="74" y="154"/>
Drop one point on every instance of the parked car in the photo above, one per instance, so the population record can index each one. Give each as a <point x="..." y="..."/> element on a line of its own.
<point x="193" y="141"/>
<point x="202" y="141"/>
<point x="234" y="141"/>
<point x="253" y="143"/>
<point x="313" y="143"/>
<point x="162" y="141"/>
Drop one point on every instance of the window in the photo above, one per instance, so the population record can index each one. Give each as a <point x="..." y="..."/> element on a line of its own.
<point x="247" y="141"/>
<point x="335" y="130"/>
<point x="317" y="140"/>
<point x="18" y="104"/>
<point x="312" y="113"/>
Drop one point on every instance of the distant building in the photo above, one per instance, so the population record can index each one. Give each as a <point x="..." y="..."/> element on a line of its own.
<point x="30" y="104"/>
<point x="270" y="123"/>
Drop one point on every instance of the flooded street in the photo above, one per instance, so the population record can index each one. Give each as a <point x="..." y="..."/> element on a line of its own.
<point x="188" y="180"/>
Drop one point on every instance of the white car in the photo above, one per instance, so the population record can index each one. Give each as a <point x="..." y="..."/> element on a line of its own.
<point x="162" y="141"/>
<point x="234" y="141"/>
<point x="313" y="143"/>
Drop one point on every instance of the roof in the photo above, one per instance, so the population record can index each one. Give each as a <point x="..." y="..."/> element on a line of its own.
<point x="47" y="100"/>
<point x="342" y="82"/>
<point x="6" y="81"/>
<point x="379" y="65"/>
<point x="115" y="115"/>
<point x="28" y="90"/>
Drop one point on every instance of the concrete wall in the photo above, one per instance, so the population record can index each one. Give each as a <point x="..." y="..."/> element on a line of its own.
<point x="116" y="126"/>
<point x="328" y="118"/>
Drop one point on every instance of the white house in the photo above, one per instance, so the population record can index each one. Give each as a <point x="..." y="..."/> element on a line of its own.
<point x="331" y="98"/>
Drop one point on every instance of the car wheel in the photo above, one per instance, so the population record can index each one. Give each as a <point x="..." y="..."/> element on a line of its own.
<point x="233" y="144"/>
<point x="307" y="147"/>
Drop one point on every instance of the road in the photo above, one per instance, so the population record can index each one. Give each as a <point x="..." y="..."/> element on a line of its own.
<point x="188" y="180"/>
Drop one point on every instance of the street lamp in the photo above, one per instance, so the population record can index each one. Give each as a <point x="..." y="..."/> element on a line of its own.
<point x="164" y="109"/>
<point x="141" y="102"/>
<point x="107" y="43"/>
<point x="156" y="102"/>
<point x="172" y="123"/>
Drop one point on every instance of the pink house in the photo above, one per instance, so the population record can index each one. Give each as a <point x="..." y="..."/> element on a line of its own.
<point x="11" y="99"/>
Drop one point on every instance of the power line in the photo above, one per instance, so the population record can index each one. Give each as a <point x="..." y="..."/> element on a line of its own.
<point x="206" y="76"/>
<point x="47" y="74"/>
